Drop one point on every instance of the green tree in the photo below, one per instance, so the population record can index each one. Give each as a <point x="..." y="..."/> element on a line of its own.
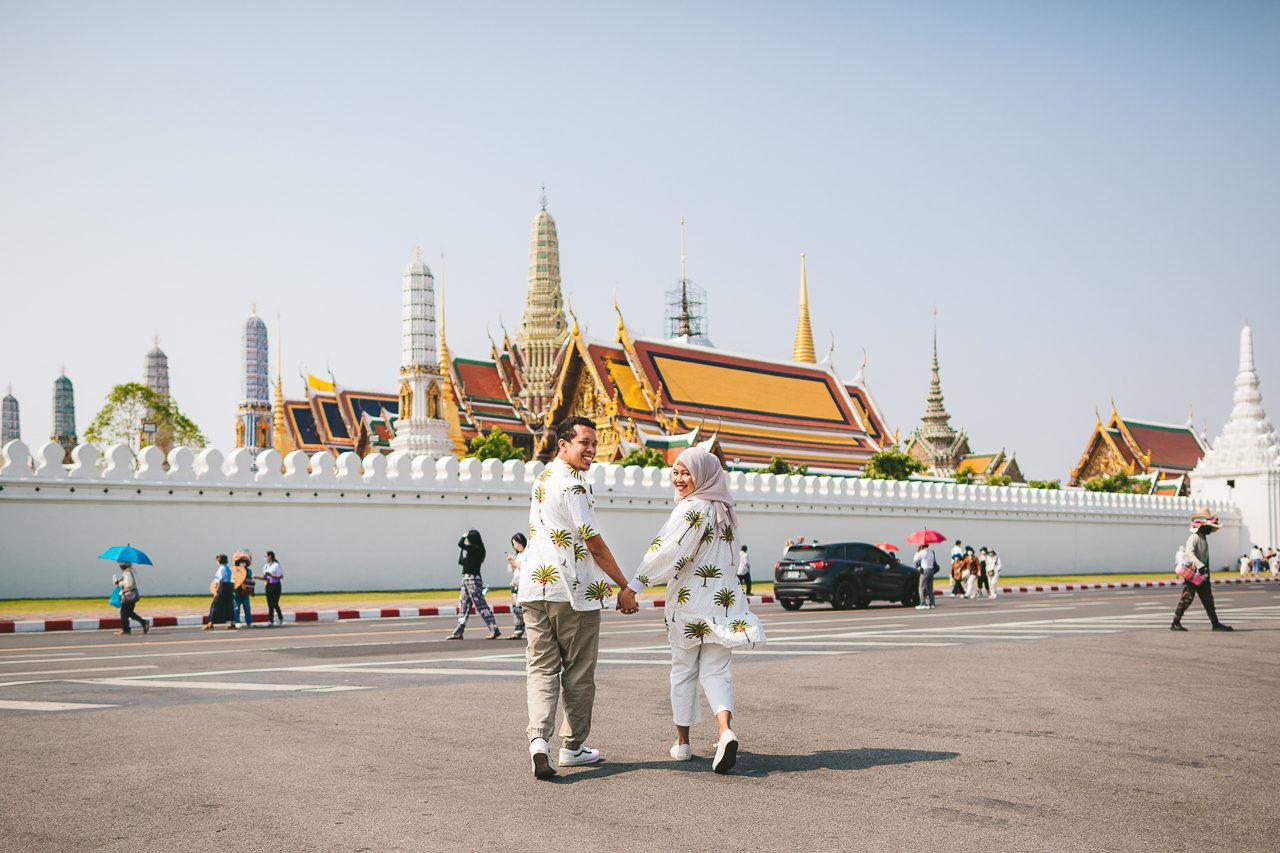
<point x="964" y="478"/>
<point x="645" y="457"/>
<point x="1117" y="482"/>
<point x="495" y="444"/>
<point x="778" y="465"/>
<point x="891" y="464"/>
<point x="999" y="480"/>
<point x="1044" y="484"/>
<point x="128" y="405"/>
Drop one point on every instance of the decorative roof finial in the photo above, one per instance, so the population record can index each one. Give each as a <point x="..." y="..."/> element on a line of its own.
<point x="253" y="308"/>
<point x="417" y="252"/>
<point x="543" y="199"/>
<point x="802" y="351"/>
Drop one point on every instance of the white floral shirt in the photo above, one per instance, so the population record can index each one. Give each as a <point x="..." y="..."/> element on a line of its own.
<point x="556" y="565"/>
<point x="693" y="555"/>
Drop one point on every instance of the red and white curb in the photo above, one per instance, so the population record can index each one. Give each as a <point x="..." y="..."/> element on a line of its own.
<point x="1079" y="587"/>
<point x="196" y="620"/>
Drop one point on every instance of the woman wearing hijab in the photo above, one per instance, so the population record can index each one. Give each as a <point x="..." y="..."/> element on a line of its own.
<point x="471" y="557"/>
<point x="706" y="613"/>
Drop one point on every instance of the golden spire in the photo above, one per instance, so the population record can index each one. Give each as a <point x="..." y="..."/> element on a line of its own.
<point x="279" y="433"/>
<point x="449" y="404"/>
<point x="803" y="349"/>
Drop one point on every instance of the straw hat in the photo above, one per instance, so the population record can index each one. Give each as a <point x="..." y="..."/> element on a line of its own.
<point x="1204" y="519"/>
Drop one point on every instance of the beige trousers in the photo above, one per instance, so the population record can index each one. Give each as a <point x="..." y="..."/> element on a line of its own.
<point x="560" y="660"/>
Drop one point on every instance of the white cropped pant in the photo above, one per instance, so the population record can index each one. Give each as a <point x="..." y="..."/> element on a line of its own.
<point x="709" y="664"/>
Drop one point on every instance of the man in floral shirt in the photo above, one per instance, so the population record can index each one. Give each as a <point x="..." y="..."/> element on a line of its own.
<point x="564" y="583"/>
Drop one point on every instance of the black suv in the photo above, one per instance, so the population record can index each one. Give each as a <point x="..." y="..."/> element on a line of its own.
<point x="847" y="574"/>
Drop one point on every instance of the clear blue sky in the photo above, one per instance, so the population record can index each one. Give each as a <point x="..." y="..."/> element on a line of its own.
<point x="1089" y="192"/>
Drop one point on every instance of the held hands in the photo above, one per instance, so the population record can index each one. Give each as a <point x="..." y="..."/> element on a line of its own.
<point x="627" y="601"/>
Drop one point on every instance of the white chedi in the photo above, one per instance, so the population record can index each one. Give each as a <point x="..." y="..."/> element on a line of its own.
<point x="1248" y="443"/>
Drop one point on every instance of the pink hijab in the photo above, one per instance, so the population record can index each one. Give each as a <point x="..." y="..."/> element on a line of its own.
<point x="709" y="480"/>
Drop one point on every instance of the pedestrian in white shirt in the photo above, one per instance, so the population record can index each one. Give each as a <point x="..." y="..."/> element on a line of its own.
<point x="564" y="582"/>
<point x="744" y="570"/>
<point x="1256" y="561"/>
<point x="927" y="565"/>
<point x="993" y="573"/>
<point x="274" y="576"/>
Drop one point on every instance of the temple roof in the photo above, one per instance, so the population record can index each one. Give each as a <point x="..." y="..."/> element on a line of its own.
<point x="1169" y="446"/>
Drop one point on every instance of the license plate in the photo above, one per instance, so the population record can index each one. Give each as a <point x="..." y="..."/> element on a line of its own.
<point x="793" y="575"/>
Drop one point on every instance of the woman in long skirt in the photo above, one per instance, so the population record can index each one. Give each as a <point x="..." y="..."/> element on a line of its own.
<point x="706" y="613"/>
<point x="223" y="607"/>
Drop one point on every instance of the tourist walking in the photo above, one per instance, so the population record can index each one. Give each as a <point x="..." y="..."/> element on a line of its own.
<point x="223" y="607"/>
<point x="993" y="572"/>
<point x="1196" y="581"/>
<point x="705" y="617"/>
<point x="1275" y="563"/>
<point x="927" y="565"/>
<point x="957" y="574"/>
<point x="744" y="570"/>
<point x="983" y="557"/>
<point x="564" y="582"/>
<point x="1256" y="561"/>
<point x="518" y="544"/>
<point x="273" y="575"/>
<point x="969" y="572"/>
<point x="129" y="600"/>
<point x="471" y="556"/>
<point x="242" y="578"/>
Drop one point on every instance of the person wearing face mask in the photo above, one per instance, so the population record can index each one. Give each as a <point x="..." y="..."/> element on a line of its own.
<point x="706" y="614"/>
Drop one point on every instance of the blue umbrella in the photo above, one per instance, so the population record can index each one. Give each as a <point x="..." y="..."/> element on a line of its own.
<point x="126" y="554"/>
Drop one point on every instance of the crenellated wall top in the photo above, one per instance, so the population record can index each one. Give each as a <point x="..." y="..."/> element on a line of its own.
<point x="399" y="471"/>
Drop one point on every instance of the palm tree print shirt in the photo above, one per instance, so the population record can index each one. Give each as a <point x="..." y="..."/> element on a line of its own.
<point x="694" y="555"/>
<point x="556" y="565"/>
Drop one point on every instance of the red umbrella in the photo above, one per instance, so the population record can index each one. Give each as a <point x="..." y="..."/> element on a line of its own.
<point x="926" y="537"/>
<point x="886" y="546"/>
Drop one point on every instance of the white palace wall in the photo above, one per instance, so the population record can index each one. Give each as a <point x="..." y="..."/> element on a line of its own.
<point x="392" y="522"/>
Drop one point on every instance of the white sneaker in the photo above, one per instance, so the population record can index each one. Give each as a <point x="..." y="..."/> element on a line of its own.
<point x="582" y="755"/>
<point x="726" y="752"/>
<point x="681" y="751"/>
<point x="922" y="607"/>
<point x="540" y="752"/>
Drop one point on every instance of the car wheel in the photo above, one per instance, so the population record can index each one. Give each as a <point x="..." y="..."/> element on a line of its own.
<point x="861" y="599"/>
<point x="790" y="603"/>
<point x="842" y="596"/>
<point x="910" y="595"/>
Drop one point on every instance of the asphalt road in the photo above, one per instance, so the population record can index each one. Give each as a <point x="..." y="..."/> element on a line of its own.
<point x="1067" y="721"/>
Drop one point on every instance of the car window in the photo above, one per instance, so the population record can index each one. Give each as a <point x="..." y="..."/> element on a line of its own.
<point x="805" y="553"/>
<point x="878" y="556"/>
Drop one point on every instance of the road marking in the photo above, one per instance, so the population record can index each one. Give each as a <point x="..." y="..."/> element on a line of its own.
<point x="441" y="670"/>
<point x="86" y="669"/>
<point x="14" y="705"/>
<point x="144" y="681"/>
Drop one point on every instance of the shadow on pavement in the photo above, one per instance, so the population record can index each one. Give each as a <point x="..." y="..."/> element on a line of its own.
<point x="758" y="766"/>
